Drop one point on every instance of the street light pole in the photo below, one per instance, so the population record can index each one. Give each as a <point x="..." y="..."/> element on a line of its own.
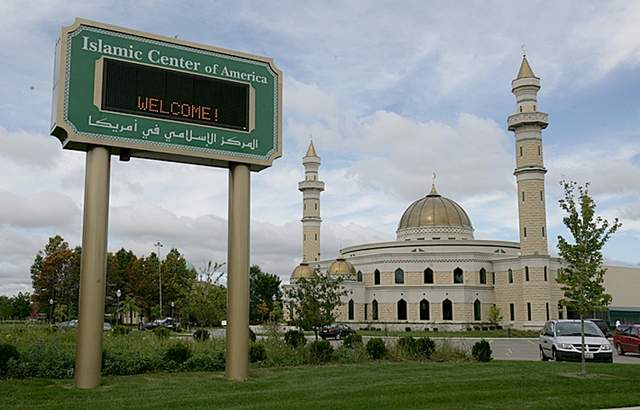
<point x="173" y="304"/>
<point x="51" y="311"/>
<point x="158" y="245"/>
<point x="118" y="294"/>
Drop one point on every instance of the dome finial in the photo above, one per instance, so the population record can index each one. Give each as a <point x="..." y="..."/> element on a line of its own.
<point x="433" y="192"/>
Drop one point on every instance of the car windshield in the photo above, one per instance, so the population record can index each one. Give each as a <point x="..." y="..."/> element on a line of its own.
<point x="573" y="329"/>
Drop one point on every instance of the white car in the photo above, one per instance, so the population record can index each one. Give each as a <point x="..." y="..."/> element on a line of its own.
<point x="561" y="340"/>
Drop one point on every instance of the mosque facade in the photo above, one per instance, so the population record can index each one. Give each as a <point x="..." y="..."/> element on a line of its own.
<point x="436" y="275"/>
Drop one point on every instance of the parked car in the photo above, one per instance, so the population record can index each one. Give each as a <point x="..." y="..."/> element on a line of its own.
<point x="167" y="322"/>
<point x="627" y="339"/>
<point x="602" y="325"/>
<point x="72" y="324"/>
<point x="336" y="331"/>
<point x="561" y="340"/>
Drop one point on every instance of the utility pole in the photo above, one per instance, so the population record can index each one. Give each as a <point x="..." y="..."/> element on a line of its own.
<point x="158" y="245"/>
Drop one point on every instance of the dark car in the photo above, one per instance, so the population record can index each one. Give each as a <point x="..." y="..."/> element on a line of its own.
<point x="602" y="325"/>
<point x="167" y="322"/>
<point x="336" y="331"/>
<point x="627" y="339"/>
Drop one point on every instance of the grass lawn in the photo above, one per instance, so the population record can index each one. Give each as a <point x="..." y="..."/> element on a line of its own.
<point x="385" y="385"/>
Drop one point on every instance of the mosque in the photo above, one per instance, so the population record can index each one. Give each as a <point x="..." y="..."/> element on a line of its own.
<point x="436" y="274"/>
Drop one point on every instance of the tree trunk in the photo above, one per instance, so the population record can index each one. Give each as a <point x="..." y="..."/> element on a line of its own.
<point x="583" y="365"/>
<point x="315" y="330"/>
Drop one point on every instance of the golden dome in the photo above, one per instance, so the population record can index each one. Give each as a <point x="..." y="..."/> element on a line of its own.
<point x="341" y="267"/>
<point x="302" y="271"/>
<point x="434" y="215"/>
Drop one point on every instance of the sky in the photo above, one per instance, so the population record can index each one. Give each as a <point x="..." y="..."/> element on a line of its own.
<point x="390" y="91"/>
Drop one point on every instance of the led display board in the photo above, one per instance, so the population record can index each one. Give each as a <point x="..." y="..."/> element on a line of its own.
<point x="163" y="98"/>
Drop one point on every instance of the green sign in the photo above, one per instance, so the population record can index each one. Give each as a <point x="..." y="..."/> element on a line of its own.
<point x="162" y="98"/>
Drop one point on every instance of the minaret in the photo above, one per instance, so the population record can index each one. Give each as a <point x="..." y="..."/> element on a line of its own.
<point x="527" y="124"/>
<point x="311" y="188"/>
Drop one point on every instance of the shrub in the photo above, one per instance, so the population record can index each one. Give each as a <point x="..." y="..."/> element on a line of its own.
<point x="447" y="352"/>
<point x="257" y="353"/>
<point x="252" y="335"/>
<point x="121" y="330"/>
<point x="320" y="351"/>
<point x="7" y="352"/>
<point x="178" y="353"/>
<point x="281" y="354"/>
<point x="425" y="347"/>
<point x="355" y="354"/>
<point x="481" y="351"/>
<point x="407" y="329"/>
<point x="352" y="340"/>
<point x="201" y="335"/>
<point x="162" y="332"/>
<point x="407" y="346"/>
<point x="376" y="349"/>
<point x="295" y="338"/>
<point x="209" y="361"/>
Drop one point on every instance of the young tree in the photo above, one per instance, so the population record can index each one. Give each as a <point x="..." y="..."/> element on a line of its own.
<point x="583" y="274"/>
<point x="495" y="315"/>
<point x="207" y="302"/>
<point x="314" y="300"/>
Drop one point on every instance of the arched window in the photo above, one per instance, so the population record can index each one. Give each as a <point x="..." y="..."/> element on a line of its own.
<point x="458" y="276"/>
<point x="477" y="310"/>
<point x="428" y="275"/>
<point x="447" y="310"/>
<point x="351" y="309"/>
<point x="359" y="276"/>
<point x="526" y="273"/>
<point x="483" y="276"/>
<point x="424" y="309"/>
<point x="374" y="310"/>
<point x="399" y="276"/>
<point x="510" y="275"/>
<point x="402" y="310"/>
<point x="376" y="277"/>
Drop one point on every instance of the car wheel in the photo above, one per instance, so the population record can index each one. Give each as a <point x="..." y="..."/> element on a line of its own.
<point x="619" y="349"/>
<point x="554" y="355"/>
<point x="543" y="356"/>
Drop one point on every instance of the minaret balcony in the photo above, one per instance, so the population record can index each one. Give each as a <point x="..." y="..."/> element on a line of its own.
<point x="304" y="185"/>
<point x="528" y="118"/>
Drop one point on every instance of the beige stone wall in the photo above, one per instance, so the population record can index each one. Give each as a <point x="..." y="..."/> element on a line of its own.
<point x="532" y="215"/>
<point x="463" y="312"/>
<point x="386" y="312"/>
<point x="529" y="153"/>
<point x="311" y="243"/>
<point x="623" y="284"/>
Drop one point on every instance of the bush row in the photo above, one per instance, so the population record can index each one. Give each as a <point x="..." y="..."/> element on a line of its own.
<point x="52" y="356"/>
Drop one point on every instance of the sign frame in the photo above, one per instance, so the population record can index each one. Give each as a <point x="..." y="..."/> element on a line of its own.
<point x="72" y="138"/>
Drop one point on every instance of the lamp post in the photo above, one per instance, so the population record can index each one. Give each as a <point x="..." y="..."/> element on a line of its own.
<point x="51" y="311"/>
<point x="173" y="304"/>
<point x="158" y="245"/>
<point x="118" y="294"/>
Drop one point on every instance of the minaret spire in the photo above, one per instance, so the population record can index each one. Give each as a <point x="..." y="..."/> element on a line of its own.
<point x="311" y="188"/>
<point x="527" y="124"/>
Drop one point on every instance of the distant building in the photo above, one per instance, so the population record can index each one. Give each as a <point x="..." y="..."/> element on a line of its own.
<point x="436" y="274"/>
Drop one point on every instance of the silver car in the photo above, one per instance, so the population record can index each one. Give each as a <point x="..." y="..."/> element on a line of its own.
<point x="561" y="340"/>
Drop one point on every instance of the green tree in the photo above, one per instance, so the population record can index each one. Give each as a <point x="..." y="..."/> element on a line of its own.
<point x="313" y="301"/>
<point x="21" y="306"/>
<point x="263" y="287"/>
<point x="495" y="315"/>
<point x="582" y="277"/>
<point x="6" y="308"/>
<point x="207" y="302"/>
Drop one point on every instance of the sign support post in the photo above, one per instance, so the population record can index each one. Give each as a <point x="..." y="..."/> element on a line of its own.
<point x="93" y="268"/>
<point x="237" y="365"/>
